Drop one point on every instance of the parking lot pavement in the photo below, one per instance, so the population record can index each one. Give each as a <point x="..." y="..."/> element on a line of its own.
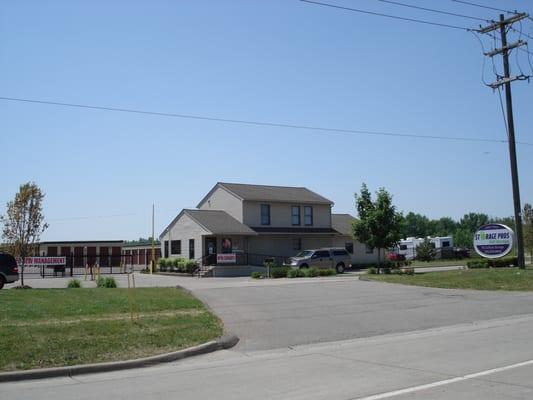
<point x="489" y="360"/>
<point x="284" y="315"/>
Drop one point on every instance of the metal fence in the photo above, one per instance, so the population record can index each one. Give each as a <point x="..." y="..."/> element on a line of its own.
<point x="81" y="265"/>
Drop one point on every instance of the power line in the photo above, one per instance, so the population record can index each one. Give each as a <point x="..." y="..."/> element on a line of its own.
<point x="92" y="217"/>
<point x="483" y="6"/>
<point x="520" y="32"/>
<point x="420" y="21"/>
<point x="261" y="123"/>
<point x="397" y="3"/>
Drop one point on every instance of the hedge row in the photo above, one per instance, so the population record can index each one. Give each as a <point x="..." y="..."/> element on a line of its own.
<point x="288" y="272"/>
<point x="496" y="263"/>
<point x="177" y="265"/>
<point x="396" y="271"/>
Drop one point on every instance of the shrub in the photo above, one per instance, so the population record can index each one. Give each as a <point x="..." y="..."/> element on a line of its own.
<point x="74" y="283"/>
<point x="257" y="275"/>
<point x="372" y="270"/>
<point x="106" y="282"/>
<point x="295" y="273"/>
<point x="327" y="272"/>
<point x="163" y="264"/>
<point x="503" y="262"/>
<point x="386" y="270"/>
<point x="311" y="272"/>
<point x="477" y="264"/>
<point x="279" y="272"/>
<point x="426" y="251"/>
<point x="189" y="266"/>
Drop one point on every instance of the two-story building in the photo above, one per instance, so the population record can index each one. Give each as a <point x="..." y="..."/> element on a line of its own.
<point x="245" y="224"/>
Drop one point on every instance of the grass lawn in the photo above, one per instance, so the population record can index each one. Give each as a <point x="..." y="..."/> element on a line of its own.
<point x="56" y="327"/>
<point x="480" y="279"/>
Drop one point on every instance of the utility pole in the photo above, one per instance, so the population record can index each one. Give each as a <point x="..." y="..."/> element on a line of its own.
<point x="505" y="81"/>
<point x="152" y="263"/>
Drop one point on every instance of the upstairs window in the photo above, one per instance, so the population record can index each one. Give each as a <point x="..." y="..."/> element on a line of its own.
<point x="265" y="214"/>
<point x="295" y="215"/>
<point x="308" y="216"/>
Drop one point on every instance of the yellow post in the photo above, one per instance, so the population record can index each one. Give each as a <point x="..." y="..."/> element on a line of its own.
<point x="152" y="262"/>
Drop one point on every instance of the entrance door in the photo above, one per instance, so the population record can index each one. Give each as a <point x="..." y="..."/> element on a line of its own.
<point x="211" y="248"/>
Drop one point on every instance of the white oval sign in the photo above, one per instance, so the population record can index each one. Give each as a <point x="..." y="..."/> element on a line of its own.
<point x="493" y="240"/>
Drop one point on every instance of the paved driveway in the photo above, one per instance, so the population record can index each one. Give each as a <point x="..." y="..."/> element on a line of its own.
<point x="272" y="316"/>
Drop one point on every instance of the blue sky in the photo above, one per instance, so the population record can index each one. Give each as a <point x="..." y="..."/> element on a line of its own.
<point x="281" y="61"/>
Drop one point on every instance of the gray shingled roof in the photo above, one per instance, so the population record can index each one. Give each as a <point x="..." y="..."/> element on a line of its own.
<point x="219" y="222"/>
<point x="274" y="193"/>
<point x="342" y="223"/>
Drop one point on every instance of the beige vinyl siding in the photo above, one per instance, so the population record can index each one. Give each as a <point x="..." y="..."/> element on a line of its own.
<point x="359" y="255"/>
<point x="185" y="228"/>
<point x="280" y="214"/>
<point x="221" y="199"/>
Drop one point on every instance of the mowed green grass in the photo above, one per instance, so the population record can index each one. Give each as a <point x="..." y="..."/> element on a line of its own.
<point x="479" y="279"/>
<point x="57" y="327"/>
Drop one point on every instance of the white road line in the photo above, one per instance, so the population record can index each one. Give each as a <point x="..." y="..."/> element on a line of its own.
<point x="412" y="389"/>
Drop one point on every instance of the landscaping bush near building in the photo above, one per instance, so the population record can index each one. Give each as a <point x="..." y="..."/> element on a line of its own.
<point x="74" y="283"/>
<point x="106" y="282"/>
<point x="477" y="264"/>
<point x="177" y="265"/>
<point x="311" y="272"/>
<point x="163" y="264"/>
<point x="257" y="275"/>
<point x="279" y="272"/>
<point x="295" y="273"/>
<point x="327" y="272"/>
<point x="496" y="263"/>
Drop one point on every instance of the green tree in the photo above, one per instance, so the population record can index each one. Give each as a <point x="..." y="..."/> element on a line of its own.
<point x="445" y="226"/>
<point x="415" y="225"/>
<point x="379" y="224"/>
<point x="527" y="227"/>
<point x="509" y="221"/>
<point x="425" y="251"/>
<point x="472" y="221"/>
<point x="24" y="222"/>
<point x="463" y="238"/>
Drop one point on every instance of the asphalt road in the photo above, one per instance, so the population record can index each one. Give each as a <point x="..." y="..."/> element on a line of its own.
<point x="488" y="360"/>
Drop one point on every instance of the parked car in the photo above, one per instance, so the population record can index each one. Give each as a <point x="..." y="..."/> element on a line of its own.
<point x="337" y="258"/>
<point x="396" y="257"/>
<point x="9" y="271"/>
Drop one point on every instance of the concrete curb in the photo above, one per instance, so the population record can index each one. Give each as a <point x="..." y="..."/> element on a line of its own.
<point x="224" y="342"/>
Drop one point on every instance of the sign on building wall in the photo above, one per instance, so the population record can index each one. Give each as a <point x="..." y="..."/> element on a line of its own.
<point x="35" y="261"/>
<point x="228" y="258"/>
<point x="493" y="240"/>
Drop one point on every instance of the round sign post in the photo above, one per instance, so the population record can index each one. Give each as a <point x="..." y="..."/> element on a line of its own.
<point x="493" y="240"/>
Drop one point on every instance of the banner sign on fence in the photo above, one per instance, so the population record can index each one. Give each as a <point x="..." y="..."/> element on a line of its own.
<point x="229" y="258"/>
<point x="493" y="240"/>
<point x="38" y="261"/>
